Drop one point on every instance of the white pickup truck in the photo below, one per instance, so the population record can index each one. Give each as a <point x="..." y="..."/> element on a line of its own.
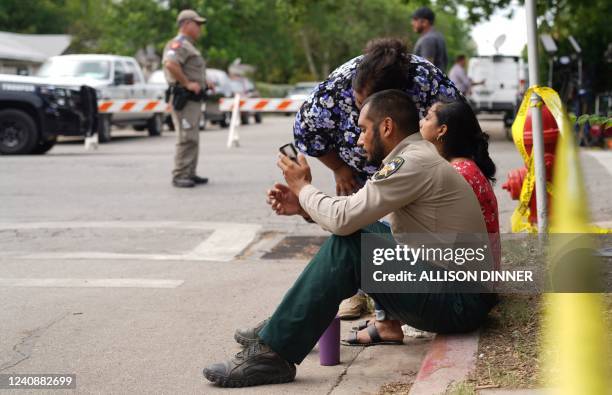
<point x="114" y="78"/>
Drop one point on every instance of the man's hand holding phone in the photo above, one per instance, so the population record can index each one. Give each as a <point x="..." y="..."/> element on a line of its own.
<point x="296" y="171"/>
<point x="284" y="199"/>
<point x="297" y="174"/>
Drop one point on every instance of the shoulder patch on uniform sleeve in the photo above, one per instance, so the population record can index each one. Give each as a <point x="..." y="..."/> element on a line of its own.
<point x="176" y="44"/>
<point x="389" y="168"/>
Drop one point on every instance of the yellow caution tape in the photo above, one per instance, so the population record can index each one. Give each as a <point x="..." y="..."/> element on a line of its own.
<point x="575" y="350"/>
<point x="520" y="217"/>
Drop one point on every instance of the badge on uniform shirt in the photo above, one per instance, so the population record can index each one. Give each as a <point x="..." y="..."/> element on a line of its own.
<point x="389" y="168"/>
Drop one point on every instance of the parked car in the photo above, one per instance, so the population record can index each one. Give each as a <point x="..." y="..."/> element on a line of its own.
<point x="222" y="88"/>
<point x="502" y="75"/>
<point x="157" y="82"/>
<point x="33" y="113"/>
<point x="113" y="77"/>
<point x="246" y="88"/>
<point x="302" y="90"/>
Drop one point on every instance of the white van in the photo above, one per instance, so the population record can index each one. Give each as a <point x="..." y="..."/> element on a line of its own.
<point x="501" y="89"/>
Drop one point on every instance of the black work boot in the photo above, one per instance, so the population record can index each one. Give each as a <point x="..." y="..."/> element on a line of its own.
<point x="199" y="180"/>
<point x="257" y="364"/>
<point x="249" y="336"/>
<point x="183" y="182"/>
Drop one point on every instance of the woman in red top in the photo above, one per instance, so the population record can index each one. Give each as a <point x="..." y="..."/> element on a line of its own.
<point x="454" y="130"/>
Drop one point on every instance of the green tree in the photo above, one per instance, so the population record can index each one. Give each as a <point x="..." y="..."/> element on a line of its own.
<point x="286" y="40"/>
<point x="130" y="25"/>
<point x="33" y="16"/>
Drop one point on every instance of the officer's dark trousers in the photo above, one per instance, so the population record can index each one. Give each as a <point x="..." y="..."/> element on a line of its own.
<point x="333" y="275"/>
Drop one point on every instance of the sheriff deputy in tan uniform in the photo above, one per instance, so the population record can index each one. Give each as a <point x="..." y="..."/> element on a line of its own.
<point x="419" y="191"/>
<point x="185" y="67"/>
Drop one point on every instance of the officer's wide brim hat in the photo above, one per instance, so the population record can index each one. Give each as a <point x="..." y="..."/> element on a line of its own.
<point x="191" y="15"/>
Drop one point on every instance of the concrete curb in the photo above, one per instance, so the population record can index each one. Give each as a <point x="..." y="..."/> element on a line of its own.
<point x="450" y="359"/>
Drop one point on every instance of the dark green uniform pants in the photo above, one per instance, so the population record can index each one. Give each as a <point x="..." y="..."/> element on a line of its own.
<point x="333" y="275"/>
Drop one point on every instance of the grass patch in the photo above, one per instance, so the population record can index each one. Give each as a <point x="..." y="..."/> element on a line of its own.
<point x="509" y="345"/>
<point x="397" y="388"/>
<point x="463" y="388"/>
<point x="509" y="348"/>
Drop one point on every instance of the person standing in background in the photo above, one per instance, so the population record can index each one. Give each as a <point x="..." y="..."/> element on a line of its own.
<point x="185" y="71"/>
<point x="459" y="76"/>
<point x="431" y="45"/>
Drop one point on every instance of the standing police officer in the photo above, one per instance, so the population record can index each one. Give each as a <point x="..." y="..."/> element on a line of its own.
<point x="185" y="71"/>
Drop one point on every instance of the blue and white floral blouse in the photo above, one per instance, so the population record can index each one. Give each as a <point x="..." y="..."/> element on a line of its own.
<point x="327" y="121"/>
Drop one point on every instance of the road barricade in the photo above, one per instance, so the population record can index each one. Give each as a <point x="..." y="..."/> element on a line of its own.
<point x="236" y="105"/>
<point x="132" y="105"/>
<point x="262" y="105"/>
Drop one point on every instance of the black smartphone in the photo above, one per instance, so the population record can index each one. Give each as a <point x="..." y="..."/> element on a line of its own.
<point x="289" y="151"/>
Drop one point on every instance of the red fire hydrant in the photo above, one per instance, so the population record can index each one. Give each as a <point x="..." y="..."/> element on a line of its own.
<point x="517" y="176"/>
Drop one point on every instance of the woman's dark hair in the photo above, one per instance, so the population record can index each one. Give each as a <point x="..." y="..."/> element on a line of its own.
<point x="385" y="65"/>
<point x="464" y="137"/>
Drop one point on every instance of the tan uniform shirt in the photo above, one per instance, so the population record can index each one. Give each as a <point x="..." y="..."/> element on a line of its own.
<point x="182" y="50"/>
<point x="420" y="190"/>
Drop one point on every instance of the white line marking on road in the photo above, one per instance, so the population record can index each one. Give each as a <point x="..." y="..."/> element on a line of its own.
<point x="122" y="225"/>
<point x="226" y="241"/>
<point x="603" y="157"/>
<point x="224" y="244"/>
<point x="89" y="283"/>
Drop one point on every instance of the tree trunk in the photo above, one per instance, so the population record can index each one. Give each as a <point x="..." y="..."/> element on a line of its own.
<point x="325" y="66"/>
<point x="308" y="52"/>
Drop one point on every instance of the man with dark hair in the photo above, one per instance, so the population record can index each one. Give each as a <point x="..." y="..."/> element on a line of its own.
<point x="458" y="75"/>
<point x="419" y="190"/>
<point x="431" y="44"/>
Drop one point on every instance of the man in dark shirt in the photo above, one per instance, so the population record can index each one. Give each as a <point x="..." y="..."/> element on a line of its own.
<point x="431" y="44"/>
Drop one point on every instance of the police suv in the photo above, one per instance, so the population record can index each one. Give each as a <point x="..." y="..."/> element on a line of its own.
<point x="33" y="113"/>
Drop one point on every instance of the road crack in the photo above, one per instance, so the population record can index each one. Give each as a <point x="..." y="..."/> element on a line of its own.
<point x="344" y="372"/>
<point x="23" y="350"/>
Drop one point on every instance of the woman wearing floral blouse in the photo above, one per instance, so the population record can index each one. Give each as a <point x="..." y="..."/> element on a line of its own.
<point x="326" y="125"/>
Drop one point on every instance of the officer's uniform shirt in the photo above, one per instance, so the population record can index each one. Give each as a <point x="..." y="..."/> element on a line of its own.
<point x="420" y="190"/>
<point x="182" y="50"/>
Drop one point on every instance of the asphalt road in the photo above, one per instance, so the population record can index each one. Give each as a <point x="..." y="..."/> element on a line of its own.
<point x="110" y="273"/>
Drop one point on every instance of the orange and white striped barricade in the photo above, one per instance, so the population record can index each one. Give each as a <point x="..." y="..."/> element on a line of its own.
<point x="117" y="106"/>
<point x="262" y="105"/>
<point x="132" y="105"/>
<point x="236" y="105"/>
<point x="114" y="106"/>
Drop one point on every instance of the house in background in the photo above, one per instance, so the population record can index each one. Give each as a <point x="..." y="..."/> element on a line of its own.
<point x="24" y="53"/>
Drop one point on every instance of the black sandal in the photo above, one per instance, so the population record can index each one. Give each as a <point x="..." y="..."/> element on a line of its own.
<point x="375" y="339"/>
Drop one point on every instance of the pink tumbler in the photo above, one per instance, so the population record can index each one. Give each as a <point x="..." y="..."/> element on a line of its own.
<point x="329" y="344"/>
